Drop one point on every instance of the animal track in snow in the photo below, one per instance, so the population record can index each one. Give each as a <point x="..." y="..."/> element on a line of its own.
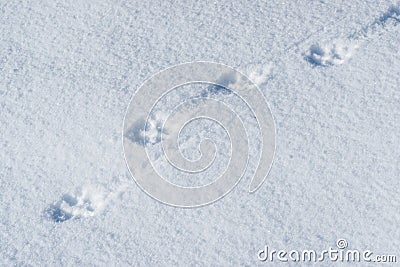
<point x="389" y="18"/>
<point x="85" y="202"/>
<point x="328" y="55"/>
<point x="149" y="133"/>
<point x="339" y="52"/>
<point x="259" y="74"/>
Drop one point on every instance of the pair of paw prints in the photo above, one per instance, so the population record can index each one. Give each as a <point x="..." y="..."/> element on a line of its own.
<point x="331" y="54"/>
<point x="83" y="203"/>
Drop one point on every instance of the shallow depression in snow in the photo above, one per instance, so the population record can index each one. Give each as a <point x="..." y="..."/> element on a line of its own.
<point x="82" y="203"/>
<point x="336" y="53"/>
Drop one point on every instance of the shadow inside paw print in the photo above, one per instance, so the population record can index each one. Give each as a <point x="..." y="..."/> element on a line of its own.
<point x="56" y="214"/>
<point x="71" y="206"/>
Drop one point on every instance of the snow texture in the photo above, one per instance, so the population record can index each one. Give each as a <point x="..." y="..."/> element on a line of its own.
<point x="330" y="71"/>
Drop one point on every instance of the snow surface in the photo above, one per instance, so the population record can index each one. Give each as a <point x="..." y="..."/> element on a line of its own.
<point x="330" y="71"/>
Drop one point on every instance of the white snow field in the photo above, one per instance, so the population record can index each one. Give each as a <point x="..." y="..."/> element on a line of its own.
<point x="330" y="71"/>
